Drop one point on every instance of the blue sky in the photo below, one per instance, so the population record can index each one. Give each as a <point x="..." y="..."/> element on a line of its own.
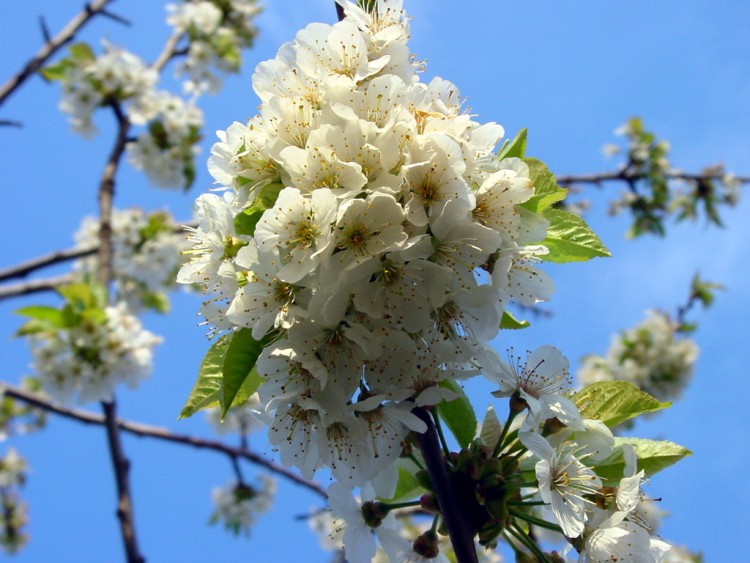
<point x="570" y="72"/>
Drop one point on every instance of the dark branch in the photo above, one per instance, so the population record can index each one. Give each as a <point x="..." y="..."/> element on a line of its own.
<point x="34" y="286"/>
<point x="116" y="17"/>
<point x="450" y="505"/>
<point x="120" y="463"/>
<point x="51" y="47"/>
<point x="10" y="123"/>
<point x="631" y="176"/>
<point x="146" y="431"/>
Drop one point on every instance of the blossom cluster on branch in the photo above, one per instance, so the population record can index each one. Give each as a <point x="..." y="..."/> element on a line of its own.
<point x="146" y="253"/>
<point x="368" y="240"/>
<point x="649" y="355"/>
<point x="384" y="201"/>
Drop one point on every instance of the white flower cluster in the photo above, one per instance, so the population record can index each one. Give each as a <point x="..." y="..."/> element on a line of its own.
<point x="650" y="356"/>
<point x="243" y="419"/>
<point x="88" y="82"/>
<point x="146" y="253"/>
<point x="218" y="31"/>
<point x="87" y="361"/>
<point x="13" y="511"/>
<point x="342" y="527"/>
<point x="166" y="148"/>
<point x="237" y="506"/>
<point x="566" y="484"/>
<point x="392" y="240"/>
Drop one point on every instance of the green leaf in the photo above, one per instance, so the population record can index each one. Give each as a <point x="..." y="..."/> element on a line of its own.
<point x="207" y="388"/>
<point x="491" y="428"/>
<point x="81" y="52"/>
<point x="570" y="239"/>
<point x="247" y="219"/>
<point x="510" y="322"/>
<point x="653" y="456"/>
<point x="514" y="148"/>
<point x="546" y="190"/>
<point x="83" y="295"/>
<point x="458" y="414"/>
<point x="407" y="487"/>
<point x="56" y="71"/>
<point x="49" y="315"/>
<point x="158" y="302"/>
<point x="241" y="355"/>
<point x="614" y="402"/>
<point x="249" y="387"/>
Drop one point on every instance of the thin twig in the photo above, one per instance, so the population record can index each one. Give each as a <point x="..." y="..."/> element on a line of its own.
<point x="627" y="175"/>
<point x="59" y="256"/>
<point x="120" y="463"/>
<point x="51" y="47"/>
<point x="25" y="268"/>
<point x="34" y="286"/>
<point x="450" y="504"/>
<point x="10" y="123"/>
<point x="164" y="434"/>
<point x="116" y="17"/>
<point x="170" y="50"/>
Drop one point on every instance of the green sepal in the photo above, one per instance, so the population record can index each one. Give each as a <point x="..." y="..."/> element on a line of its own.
<point x="512" y="323"/>
<point x="207" y="388"/>
<point x="247" y="219"/>
<point x="458" y="414"/>
<point x="238" y="368"/>
<point x="546" y="190"/>
<point x="614" y="402"/>
<point x="653" y="456"/>
<point x="513" y="148"/>
<point x="570" y="239"/>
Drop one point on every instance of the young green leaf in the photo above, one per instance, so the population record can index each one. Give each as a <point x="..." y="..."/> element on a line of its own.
<point x="245" y="221"/>
<point x="514" y="148"/>
<point x="241" y="355"/>
<point x="653" y="456"/>
<point x="546" y="190"/>
<point x="614" y="402"/>
<point x="510" y="322"/>
<point x="570" y="239"/>
<point x="458" y="414"/>
<point x="206" y="390"/>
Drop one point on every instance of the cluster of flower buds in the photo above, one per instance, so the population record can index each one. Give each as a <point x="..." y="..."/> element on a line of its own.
<point x="650" y="355"/>
<point x="218" y="31"/>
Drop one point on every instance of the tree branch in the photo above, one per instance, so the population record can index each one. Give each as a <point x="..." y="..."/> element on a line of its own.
<point x="628" y="175"/>
<point x="120" y="463"/>
<point x="170" y="50"/>
<point x="450" y="506"/>
<point x="34" y="286"/>
<point x="52" y="46"/>
<point x="163" y="434"/>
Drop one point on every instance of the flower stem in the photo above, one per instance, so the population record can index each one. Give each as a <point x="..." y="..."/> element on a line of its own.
<point x="501" y="440"/>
